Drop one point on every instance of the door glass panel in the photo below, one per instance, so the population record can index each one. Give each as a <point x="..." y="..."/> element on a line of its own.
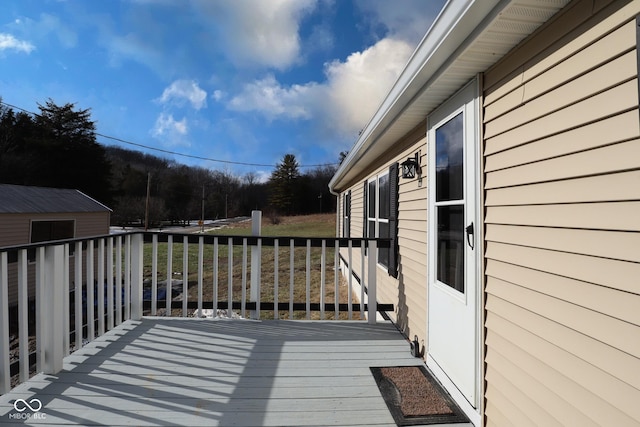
<point x="450" y="241"/>
<point x="449" y="164"/>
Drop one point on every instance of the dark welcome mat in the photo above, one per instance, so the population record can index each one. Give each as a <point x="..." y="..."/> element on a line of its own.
<point x="414" y="397"/>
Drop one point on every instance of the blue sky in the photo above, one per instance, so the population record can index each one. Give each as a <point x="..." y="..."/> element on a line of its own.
<point x="234" y="80"/>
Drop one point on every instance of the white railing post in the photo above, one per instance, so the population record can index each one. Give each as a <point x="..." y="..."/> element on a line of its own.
<point x="52" y="310"/>
<point x="91" y="334"/>
<point x="256" y="258"/>
<point x="185" y="275"/>
<point x="372" y="304"/>
<point x="154" y="275"/>
<point x="65" y="302"/>
<point x="23" y="314"/>
<point x="137" y="268"/>
<point x="78" y="294"/>
<point x="5" y="372"/>
<point x="100" y="288"/>
<point x="200" y="272"/>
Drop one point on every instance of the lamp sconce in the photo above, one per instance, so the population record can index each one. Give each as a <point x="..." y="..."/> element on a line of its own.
<point x="411" y="168"/>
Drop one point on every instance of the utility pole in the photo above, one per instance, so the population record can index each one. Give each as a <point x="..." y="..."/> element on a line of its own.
<point x="146" y="210"/>
<point x="202" y="216"/>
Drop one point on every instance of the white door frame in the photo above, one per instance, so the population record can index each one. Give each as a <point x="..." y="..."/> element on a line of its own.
<point x="467" y="100"/>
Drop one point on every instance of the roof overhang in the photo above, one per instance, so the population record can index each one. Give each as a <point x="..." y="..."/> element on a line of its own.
<point x="467" y="38"/>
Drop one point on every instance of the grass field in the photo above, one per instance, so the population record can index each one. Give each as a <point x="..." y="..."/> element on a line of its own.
<point x="299" y="226"/>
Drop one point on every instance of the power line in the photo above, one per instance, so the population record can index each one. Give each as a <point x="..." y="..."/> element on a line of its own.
<point x="175" y="153"/>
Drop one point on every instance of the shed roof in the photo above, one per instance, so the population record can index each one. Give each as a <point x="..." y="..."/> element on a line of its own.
<point x="467" y="38"/>
<point x="25" y="199"/>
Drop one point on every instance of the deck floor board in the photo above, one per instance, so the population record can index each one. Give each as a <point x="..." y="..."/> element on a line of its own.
<point x="221" y="372"/>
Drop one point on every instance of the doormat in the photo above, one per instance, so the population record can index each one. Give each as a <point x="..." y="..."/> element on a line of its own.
<point x="414" y="397"/>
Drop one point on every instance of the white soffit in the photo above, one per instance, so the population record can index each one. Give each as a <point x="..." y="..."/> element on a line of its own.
<point x="467" y="38"/>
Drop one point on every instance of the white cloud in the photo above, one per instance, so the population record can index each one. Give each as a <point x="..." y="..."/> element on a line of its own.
<point x="185" y="90"/>
<point x="169" y="130"/>
<point x="344" y="103"/>
<point x="273" y="100"/>
<point x="218" y="95"/>
<point x="45" y="28"/>
<point x="7" y="42"/>
<point x="357" y="86"/>
<point x="263" y="33"/>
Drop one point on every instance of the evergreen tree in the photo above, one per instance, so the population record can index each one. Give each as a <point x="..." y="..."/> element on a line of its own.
<point x="68" y="155"/>
<point x="284" y="184"/>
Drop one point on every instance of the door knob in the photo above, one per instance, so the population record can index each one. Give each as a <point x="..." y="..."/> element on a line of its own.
<point x="470" y="236"/>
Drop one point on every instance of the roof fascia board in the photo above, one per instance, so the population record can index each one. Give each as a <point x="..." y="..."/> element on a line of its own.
<point x="451" y="29"/>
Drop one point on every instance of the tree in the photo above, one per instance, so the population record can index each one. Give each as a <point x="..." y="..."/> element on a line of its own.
<point x="68" y="155"/>
<point x="283" y="185"/>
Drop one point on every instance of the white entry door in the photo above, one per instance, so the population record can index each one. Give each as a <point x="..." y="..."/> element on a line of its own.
<point x="453" y="229"/>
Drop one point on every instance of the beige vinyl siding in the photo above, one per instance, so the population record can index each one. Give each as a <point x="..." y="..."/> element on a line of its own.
<point x="408" y="292"/>
<point x="561" y="149"/>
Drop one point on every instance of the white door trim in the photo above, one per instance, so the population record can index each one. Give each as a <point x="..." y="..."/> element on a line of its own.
<point x="466" y="99"/>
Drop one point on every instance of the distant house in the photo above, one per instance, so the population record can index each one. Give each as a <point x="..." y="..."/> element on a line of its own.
<point x="515" y="251"/>
<point x="38" y="214"/>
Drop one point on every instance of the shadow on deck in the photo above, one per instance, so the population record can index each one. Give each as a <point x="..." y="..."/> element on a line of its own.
<point x="177" y="371"/>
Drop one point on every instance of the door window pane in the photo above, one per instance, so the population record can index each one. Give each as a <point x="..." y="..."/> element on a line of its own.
<point x="450" y="241"/>
<point x="449" y="160"/>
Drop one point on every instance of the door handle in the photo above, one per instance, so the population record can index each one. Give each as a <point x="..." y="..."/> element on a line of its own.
<point x="471" y="240"/>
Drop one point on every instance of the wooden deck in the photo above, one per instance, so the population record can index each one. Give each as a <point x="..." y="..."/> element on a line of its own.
<point x="194" y="372"/>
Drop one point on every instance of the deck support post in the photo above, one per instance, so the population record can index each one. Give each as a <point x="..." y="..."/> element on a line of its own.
<point x="5" y="376"/>
<point x="51" y="307"/>
<point x="371" y="290"/>
<point x="256" y="258"/>
<point x="137" y="268"/>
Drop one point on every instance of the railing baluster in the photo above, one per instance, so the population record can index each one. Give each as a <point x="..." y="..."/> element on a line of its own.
<point x="291" y="276"/>
<point x="372" y="292"/>
<point x="215" y="277"/>
<point x="350" y="281"/>
<point x="185" y="275"/>
<point x="40" y="278"/>
<point x="65" y="302"/>
<point x="362" y="280"/>
<point x="275" y="280"/>
<point x="200" y="273"/>
<point x="5" y="373"/>
<point x="118" y="280"/>
<point x="336" y="280"/>
<point x="127" y="277"/>
<point x="90" y="297"/>
<point x="100" y="288"/>
<point x="78" y="294"/>
<point x="322" y="277"/>
<point x="154" y="275"/>
<point x="50" y="309"/>
<point x="243" y="301"/>
<point x="169" y="285"/>
<point x="259" y="279"/>
<point x="230" y="279"/>
<point x="137" y="274"/>
<point x="23" y="315"/>
<point x="110" y="283"/>
<point x="308" y="279"/>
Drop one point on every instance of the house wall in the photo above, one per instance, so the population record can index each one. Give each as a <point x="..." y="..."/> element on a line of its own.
<point x="15" y="230"/>
<point x="562" y="223"/>
<point x="408" y="292"/>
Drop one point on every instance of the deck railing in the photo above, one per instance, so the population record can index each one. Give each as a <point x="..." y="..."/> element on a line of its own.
<point x="46" y="303"/>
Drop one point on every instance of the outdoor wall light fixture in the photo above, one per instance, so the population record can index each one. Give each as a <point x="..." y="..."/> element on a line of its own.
<point x="411" y="167"/>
